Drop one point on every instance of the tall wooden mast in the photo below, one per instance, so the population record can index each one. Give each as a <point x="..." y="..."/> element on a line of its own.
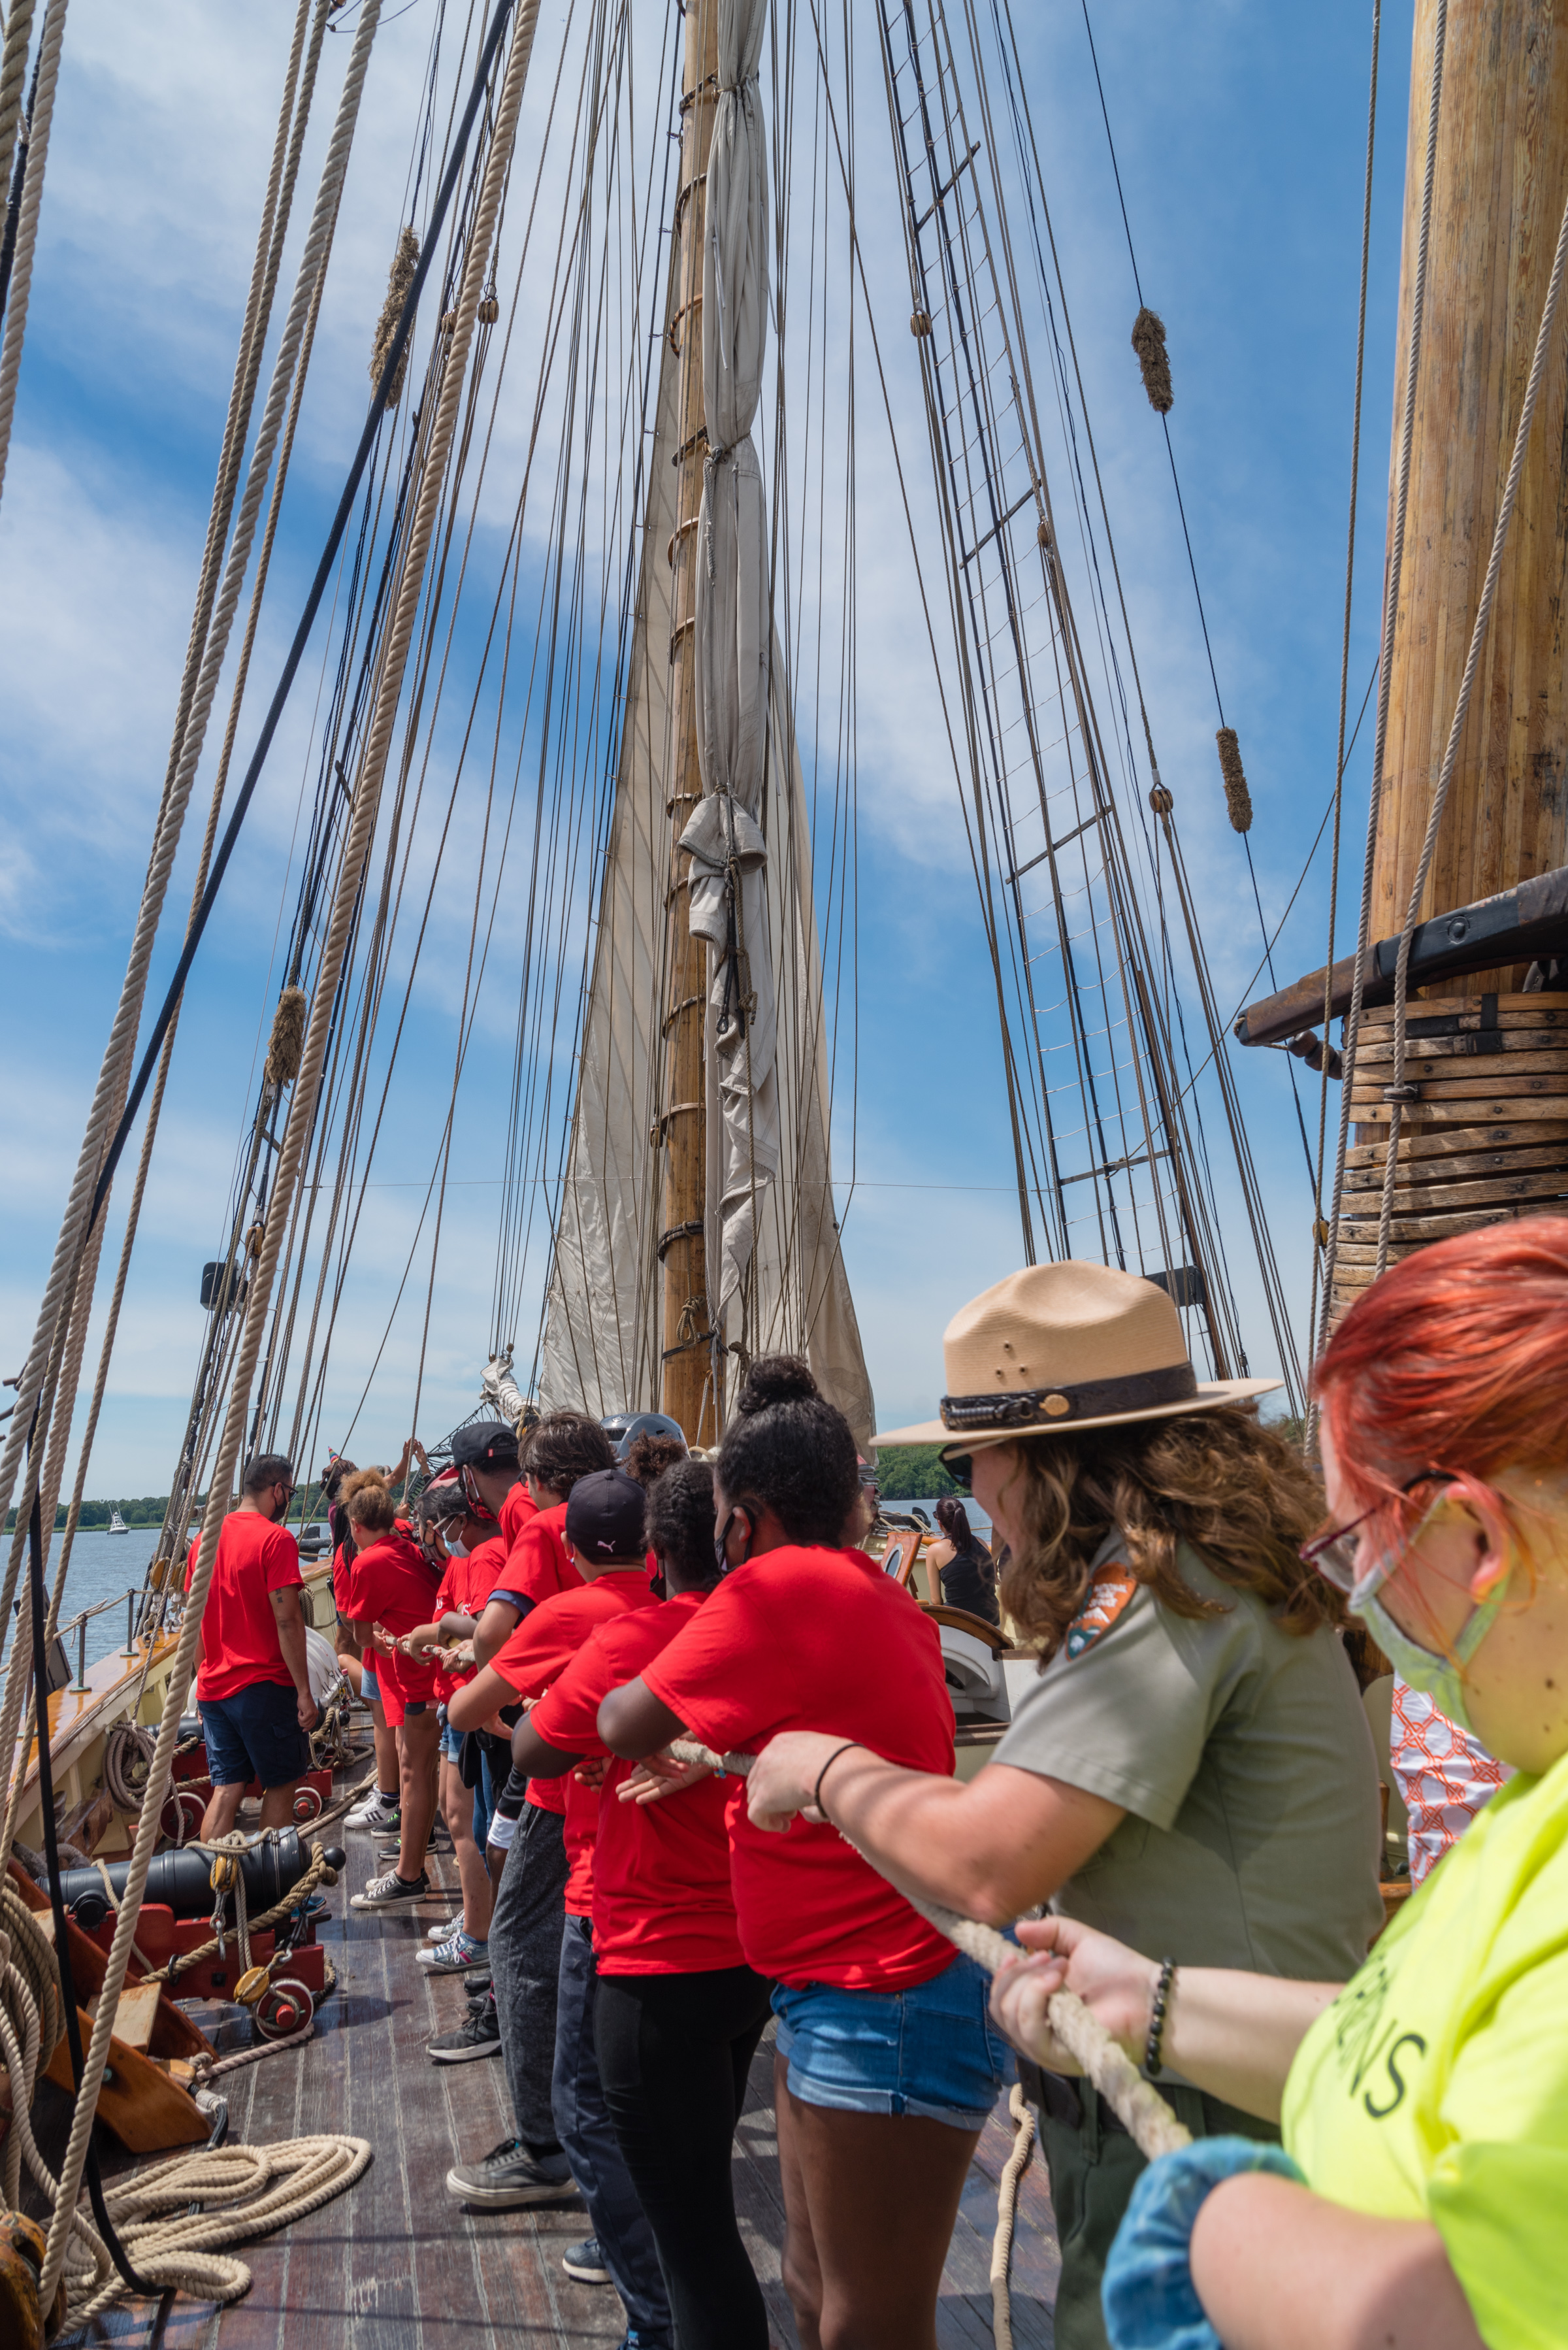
<point x="1483" y="1088"/>
<point x="1500" y="179"/>
<point x="683" y="1124"/>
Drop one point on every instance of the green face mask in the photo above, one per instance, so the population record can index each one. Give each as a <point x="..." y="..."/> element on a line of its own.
<point x="1438" y="1676"/>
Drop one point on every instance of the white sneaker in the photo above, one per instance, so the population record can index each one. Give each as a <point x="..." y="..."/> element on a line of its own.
<point x="439" y="1930"/>
<point x="374" y="1813"/>
<point x="457" y="1956"/>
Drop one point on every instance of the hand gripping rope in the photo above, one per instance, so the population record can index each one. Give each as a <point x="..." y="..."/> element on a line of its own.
<point x="1142" y="2112"/>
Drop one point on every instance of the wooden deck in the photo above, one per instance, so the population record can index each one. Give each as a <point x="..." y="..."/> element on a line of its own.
<point x="396" y="2264"/>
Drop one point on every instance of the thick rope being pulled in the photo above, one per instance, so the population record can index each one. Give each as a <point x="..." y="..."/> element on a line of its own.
<point x="16" y="319"/>
<point x="1395" y="570"/>
<point x="246" y="2191"/>
<point x="1137" y="2103"/>
<point x="1012" y="2171"/>
<point x="323" y="221"/>
<point x="1462" y="711"/>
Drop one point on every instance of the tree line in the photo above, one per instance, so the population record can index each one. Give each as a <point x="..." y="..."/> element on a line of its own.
<point x="148" y="1509"/>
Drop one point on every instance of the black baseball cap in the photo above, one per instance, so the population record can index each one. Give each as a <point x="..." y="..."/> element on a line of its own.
<point x="486" y="1444"/>
<point x="604" y="1515"/>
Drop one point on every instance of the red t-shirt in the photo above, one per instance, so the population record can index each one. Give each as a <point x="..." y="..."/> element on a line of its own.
<point x="238" y="1631"/>
<point x="390" y="1584"/>
<point x="661" y="1898"/>
<point x="549" y="1637"/>
<point x="515" y="1512"/>
<point x="464" y="1588"/>
<point x="538" y="1564"/>
<point x="815" y="1639"/>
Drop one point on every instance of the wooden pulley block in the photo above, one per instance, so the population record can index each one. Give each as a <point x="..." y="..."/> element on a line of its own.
<point x="251" y="1985"/>
<point x="22" y="2317"/>
<point x="224" y="1872"/>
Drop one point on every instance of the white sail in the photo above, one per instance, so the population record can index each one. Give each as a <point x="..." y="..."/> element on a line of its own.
<point x="604" y="1336"/>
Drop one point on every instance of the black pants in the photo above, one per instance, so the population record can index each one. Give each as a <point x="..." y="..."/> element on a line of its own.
<point x="1094" y="2166"/>
<point x="674" y="2053"/>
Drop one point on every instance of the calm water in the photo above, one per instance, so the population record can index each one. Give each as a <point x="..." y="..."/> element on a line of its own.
<point x="103" y="1567"/>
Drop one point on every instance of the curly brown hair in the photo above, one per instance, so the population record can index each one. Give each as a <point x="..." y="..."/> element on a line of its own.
<point x="1239" y="1492"/>
<point x="563" y="1447"/>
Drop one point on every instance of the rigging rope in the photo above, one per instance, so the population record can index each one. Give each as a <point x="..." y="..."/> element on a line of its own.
<point x="1320" y="1229"/>
<point x="41" y="112"/>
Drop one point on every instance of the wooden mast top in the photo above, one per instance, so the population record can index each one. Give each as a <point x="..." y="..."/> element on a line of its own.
<point x="686" y="1393"/>
<point x="1500" y="179"/>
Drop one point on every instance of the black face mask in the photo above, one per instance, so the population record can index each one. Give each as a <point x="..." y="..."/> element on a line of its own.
<point x="721" y="1558"/>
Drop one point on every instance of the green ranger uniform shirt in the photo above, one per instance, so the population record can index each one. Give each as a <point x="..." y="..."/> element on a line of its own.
<point x="1436" y="2088"/>
<point x="1244" y="1761"/>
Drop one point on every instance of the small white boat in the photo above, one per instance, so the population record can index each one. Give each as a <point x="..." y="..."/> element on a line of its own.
<point x="116" y="1524"/>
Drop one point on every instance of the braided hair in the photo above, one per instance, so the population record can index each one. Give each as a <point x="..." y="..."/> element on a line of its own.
<point x="791" y="1450"/>
<point x="678" y="1523"/>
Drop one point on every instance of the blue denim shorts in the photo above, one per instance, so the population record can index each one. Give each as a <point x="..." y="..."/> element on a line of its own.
<point x="451" y="1740"/>
<point x="255" y="1735"/>
<point x="932" y="2050"/>
<point x="370" y="1687"/>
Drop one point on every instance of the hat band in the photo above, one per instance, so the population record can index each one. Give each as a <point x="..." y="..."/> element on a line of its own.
<point x="1051" y="1407"/>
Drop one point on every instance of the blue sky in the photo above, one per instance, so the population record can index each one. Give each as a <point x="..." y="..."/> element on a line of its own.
<point x="1239" y="132"/>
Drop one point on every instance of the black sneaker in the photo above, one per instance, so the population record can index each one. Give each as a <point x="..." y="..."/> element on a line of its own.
<point x="586" y="2262"/>
<point x="391" y="1891"/>
<point x="509" y="2175"/>
<point x="479" y="2035"/>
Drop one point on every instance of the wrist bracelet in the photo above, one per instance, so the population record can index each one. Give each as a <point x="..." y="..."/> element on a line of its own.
<point x="816" y="1791"/>
<point x="1151" y="2056"/>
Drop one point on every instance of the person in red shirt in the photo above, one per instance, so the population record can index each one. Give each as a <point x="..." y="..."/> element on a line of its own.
<point x="390" y="1590"/>
<point x="677" y="2013"/>
<point x="604" y="1529"/>
<point x="469" y="1552"/>
<point x="253" y="1683"/>
<point x="888" y="2064"/>
<point x="526" y="1928"/>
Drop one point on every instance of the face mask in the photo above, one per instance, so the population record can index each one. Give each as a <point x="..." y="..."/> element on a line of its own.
<point x="1435" y="1676"/>
<point x="454" y="1549"/>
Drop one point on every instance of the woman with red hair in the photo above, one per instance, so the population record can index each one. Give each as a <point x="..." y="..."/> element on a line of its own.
<point x="1420" y="2196"/>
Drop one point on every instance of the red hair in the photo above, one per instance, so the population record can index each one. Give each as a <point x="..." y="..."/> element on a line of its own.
<point x="1454" y="1360"/>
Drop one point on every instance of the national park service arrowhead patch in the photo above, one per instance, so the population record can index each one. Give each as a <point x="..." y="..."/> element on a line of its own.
<point x="1110" y="1596"/>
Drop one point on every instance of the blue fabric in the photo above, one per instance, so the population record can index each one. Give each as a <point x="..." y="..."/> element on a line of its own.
<point x="484" y="1803"/>
<point x="599" y="2166"/>
<point x="931" y="2050"/>
<point x="1149" y="2296"/>
<point x="451" y="1740"/>
<point x="370" y="1687"/>
<point x="255" y="1735"/>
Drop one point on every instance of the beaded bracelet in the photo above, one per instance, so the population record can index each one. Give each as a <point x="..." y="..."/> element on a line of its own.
<point x="816" y="1791"/>
<point x="1151" y="2057"/>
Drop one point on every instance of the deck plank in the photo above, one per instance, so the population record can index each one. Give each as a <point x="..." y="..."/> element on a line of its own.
<point x="398" y="2264"/>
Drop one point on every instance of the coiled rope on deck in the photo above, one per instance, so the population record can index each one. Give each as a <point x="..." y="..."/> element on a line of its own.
<point x="1137" y="2103"/>
<point x="249" y="2191"/>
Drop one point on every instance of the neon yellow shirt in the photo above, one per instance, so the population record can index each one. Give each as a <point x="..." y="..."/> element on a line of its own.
<point x="1436" y="2084"/>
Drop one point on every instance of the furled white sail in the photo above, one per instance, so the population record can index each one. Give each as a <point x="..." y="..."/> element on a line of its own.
<point x="604" y="1336"/>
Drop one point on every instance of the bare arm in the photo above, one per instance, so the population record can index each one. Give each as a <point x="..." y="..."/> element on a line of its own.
<point x="478" y="1701"/>
<point x="1232" y="2034"/>
<point x="494" y="1628"/>
<point x="1278" y="2268"/>
<point x="531" y="1754"/>
<point x="634" y="1722"/>
<point x="1007" y="1840"/>
<point x="289" y="1618"/>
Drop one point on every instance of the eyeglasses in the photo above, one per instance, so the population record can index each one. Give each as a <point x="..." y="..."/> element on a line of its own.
<point x="1337" y="1553"/>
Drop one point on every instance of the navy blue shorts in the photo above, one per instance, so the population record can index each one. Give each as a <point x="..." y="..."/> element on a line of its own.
<point x="255" y="1735"/>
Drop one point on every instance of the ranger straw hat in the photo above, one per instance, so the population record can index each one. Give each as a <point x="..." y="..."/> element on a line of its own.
<point x="1060" y="1346"/>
